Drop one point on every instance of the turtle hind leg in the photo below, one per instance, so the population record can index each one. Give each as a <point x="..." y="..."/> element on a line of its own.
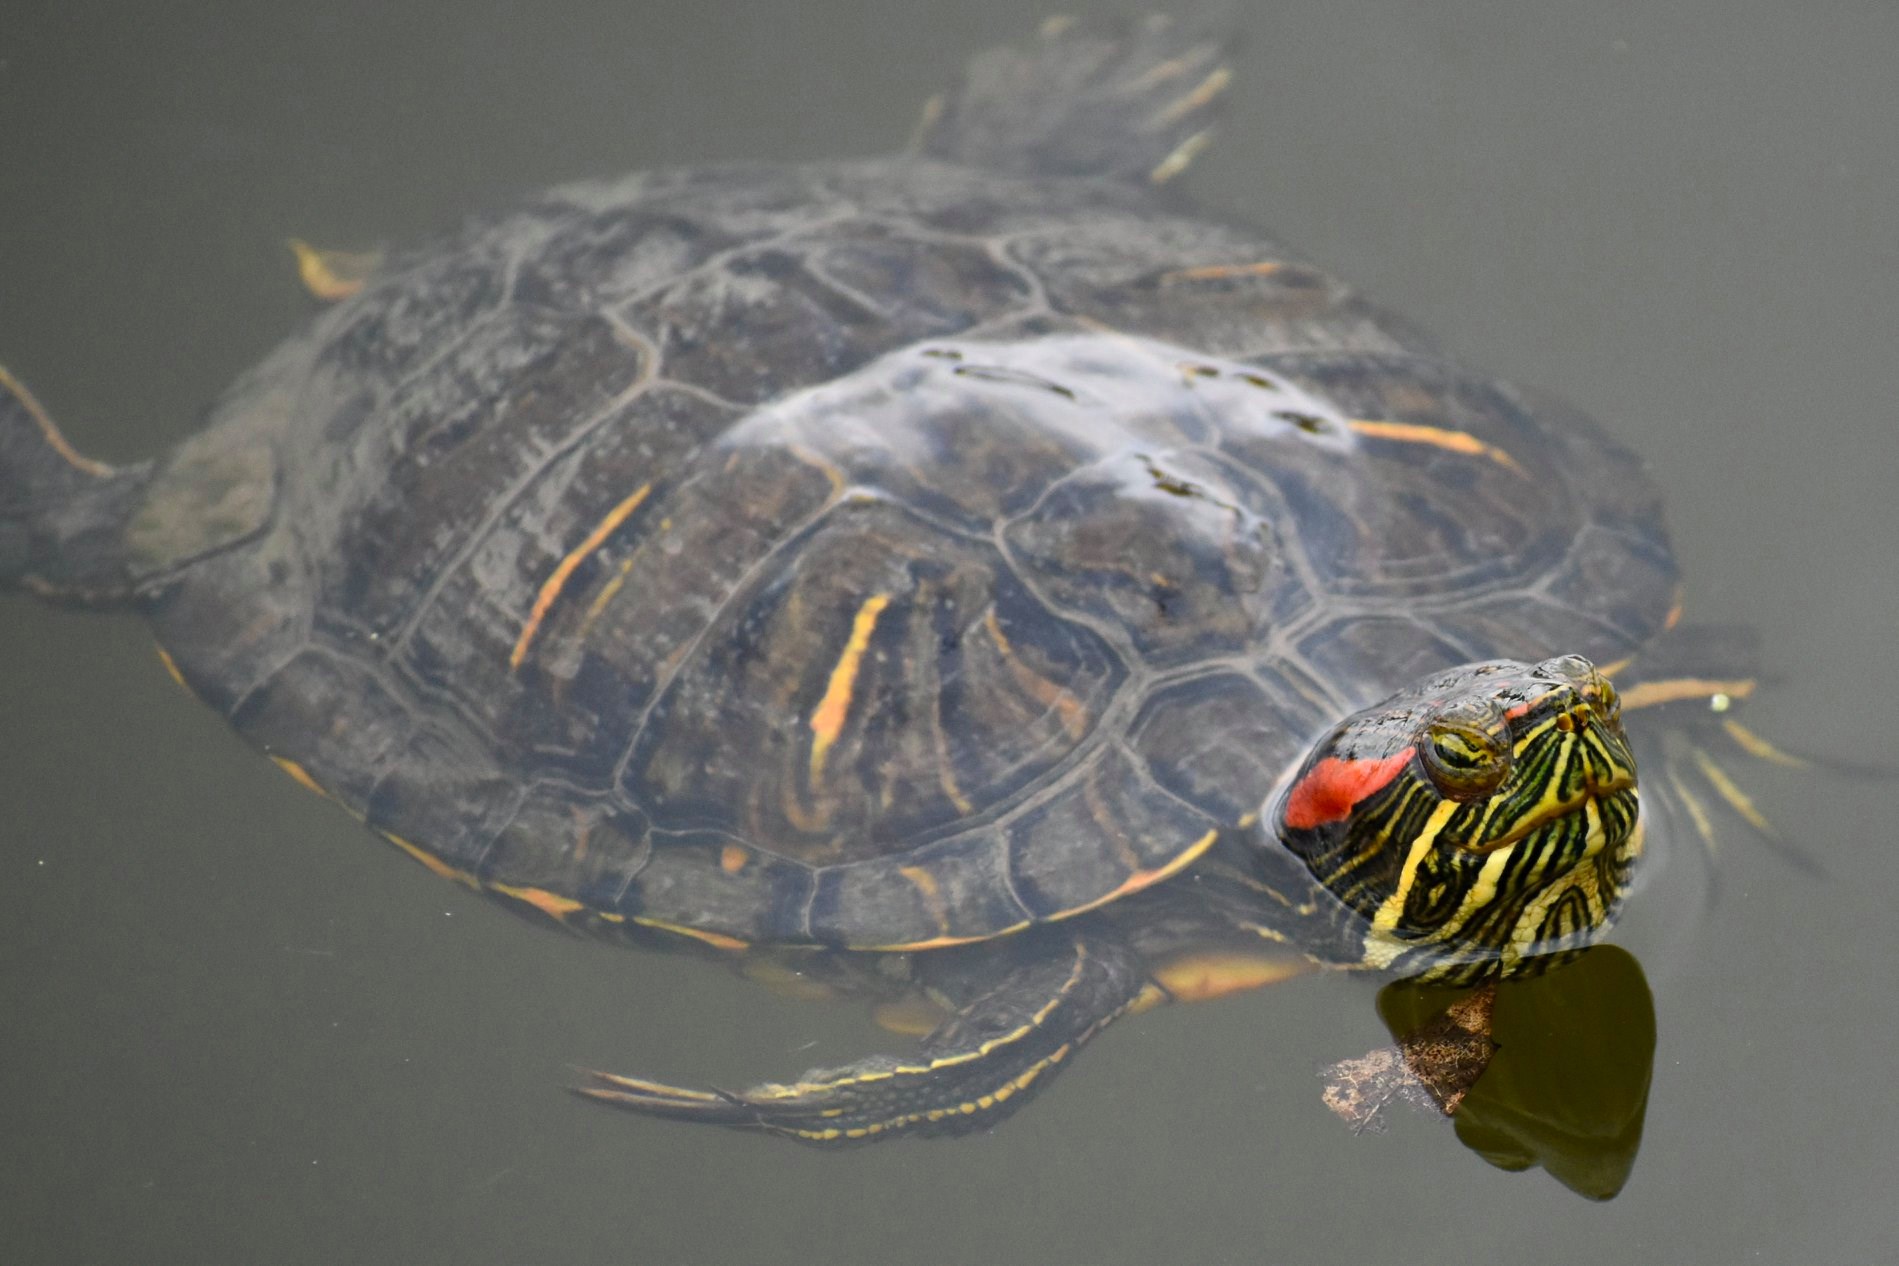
<point x="1133" y="102"/>
<point x="1014" y="1030"/>
<point x="62" y="516"/>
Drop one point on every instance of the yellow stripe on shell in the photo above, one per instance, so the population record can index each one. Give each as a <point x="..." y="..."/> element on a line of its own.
<point x="598" y="606"/>
<point x="332" y="276"/>
<point x="1221" y="272"/>
<point x="434" y="863"/>
<point x="1132" y="884"/>
<point x="550" y="590"/>
<point x="1045" y="692"/>
<point x="551" y="904"/>
<point x="301" y="774"/>
<point x="939" y="740"/>
<point x="1147" y="878"/>
<point x="827" y="720"/>
<point x="944" y="942"/>
<point x="717" y="940"/>
<point x="925" y="883"/>
<point x="171" y="667"/>
<point x="1436" y="436"/>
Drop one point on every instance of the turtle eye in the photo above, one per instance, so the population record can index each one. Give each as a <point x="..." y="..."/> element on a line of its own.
<point x="1465" y="758"/>
<point x="1606" y="702"/>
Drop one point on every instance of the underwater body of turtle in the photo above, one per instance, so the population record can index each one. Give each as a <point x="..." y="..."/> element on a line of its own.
<point x="969" y="561"/>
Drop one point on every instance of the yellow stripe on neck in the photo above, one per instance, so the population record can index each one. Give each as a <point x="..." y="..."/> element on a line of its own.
<point x="1389" y="914"/>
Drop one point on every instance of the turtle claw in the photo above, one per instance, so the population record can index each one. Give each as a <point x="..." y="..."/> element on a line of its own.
<point x="636" y="1094"/>
<point x="830" y="1109"/>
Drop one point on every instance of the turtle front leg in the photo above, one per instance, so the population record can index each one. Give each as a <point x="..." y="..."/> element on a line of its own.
<point x="1012" y="1031"/>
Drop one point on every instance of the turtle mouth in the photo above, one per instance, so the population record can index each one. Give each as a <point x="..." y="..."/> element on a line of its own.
<point x="1618" y="792"/>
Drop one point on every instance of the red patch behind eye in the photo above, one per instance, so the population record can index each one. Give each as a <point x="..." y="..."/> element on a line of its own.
<point x="1331" y="788"/>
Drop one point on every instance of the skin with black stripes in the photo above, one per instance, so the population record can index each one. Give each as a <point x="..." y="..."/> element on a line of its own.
<point x="948" y="560"/>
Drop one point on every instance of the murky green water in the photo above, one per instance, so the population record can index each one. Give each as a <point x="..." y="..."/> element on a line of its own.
<point x="236" y="1029"/>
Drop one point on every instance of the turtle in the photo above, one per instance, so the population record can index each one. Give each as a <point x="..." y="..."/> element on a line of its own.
<point x="969" y="575"/>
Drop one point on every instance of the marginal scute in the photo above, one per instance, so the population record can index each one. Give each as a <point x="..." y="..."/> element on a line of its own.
<point x="592" y="261"/>
<point x="587" y="849"/>
<point x="676" y="886"/>
<point x="950" y="892"/>
<point x="1108" y="833"/>
<point x="418" y="304"/>
<point x="336" y="718"/>
<point x="439" y="786"/>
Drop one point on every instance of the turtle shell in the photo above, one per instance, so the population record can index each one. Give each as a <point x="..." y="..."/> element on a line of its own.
<point x="883" y="555"/>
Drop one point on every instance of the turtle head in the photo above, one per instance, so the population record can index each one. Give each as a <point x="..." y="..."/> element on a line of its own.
<point x="1479" y="819"/>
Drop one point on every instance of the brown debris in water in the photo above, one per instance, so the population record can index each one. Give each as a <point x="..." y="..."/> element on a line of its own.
<point x="1432" y="1069"/>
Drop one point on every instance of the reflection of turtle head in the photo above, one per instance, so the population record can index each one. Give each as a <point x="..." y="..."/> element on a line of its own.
<point x="1483" y="817"/>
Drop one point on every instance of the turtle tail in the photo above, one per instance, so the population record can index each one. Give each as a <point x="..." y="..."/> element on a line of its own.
<point x="1135" y="103"/>
<point x="62" y="515"/>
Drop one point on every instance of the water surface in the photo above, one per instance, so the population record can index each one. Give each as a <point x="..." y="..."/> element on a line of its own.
<point x="237" y="1029"/>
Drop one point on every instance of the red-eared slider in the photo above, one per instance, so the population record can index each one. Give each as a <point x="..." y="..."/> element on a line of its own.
<point x="963" y="573"/>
